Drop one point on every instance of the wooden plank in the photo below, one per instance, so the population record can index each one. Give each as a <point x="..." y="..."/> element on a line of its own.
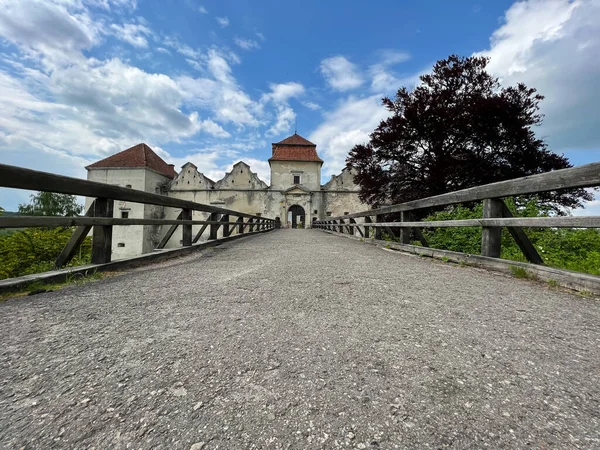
<point x="251" y="225"/>
<point x="522" y="240"/>
<point x="240" y="221"/>
<point x="199" y="234"/>
<point x="51" y="221"/>
<point x="417" y="231"/>
<point x="367" y="229"/>
<point x="20" y="178"/>
<point x="226" y="229"/>
<point x="186" y="214"/>
<point x="169" y="234"/>
<point x="404" y="232"/>
<point x="214" y="227"/>
<point x="575" y="177"/>
<point x="491" y="237"/>
<point x="534" y="222"/>
<point x="102" y="235"/>
<point x="357" y="228"/>
<point x="75" y="241"/>
<point x="378" y="218"/>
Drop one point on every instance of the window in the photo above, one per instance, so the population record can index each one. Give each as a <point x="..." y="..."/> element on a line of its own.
<point x="124" y="214"/>
<point x="329" y="213"/>
<point x="315" y="212"/>
<point x="128" y="185"/>
<point x="346" y="213"/>
<point x="121" y="244"/>
<point x="296" y="179"/>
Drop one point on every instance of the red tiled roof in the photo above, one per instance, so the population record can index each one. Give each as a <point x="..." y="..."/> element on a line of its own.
<point x="295" y="154"/>
<point x="137" y="156"/>
<point x="296" y="140"/>
<point x="295" y="148"/>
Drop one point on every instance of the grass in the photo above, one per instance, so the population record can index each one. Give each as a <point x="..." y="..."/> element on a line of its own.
<point x="40" y="286"/>
<point x="520" y="272"/>
<point x="552" y="282"/>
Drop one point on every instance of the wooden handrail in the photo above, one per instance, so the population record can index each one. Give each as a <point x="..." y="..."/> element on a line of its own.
<point x="496" y="214"/>
<point x="99" y="218"/>
<point x="20" y="178"/>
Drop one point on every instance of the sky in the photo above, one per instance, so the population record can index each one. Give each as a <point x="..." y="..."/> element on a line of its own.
<point x="216" y="82"/>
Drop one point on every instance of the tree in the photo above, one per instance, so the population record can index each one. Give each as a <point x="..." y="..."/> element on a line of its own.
<point x="51" y="204"/>
<point x="1" y="210"/>
<point x="457" y="129"/>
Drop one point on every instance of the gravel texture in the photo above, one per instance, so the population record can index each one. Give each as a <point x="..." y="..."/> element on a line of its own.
<point x="298" y="339"/>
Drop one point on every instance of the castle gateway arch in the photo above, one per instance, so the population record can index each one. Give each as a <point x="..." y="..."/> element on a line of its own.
<point x="296" y="215"/>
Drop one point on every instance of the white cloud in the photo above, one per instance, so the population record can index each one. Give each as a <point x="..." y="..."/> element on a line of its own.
<point x="383" y="79"/>
<point x="284" y="121"/>
<point x="281" y="93"/>
<point x="132" y="33"/>
<point x="340" y="73"/>
<point x="552" y="45"/>
<point x="202" y="9"/>
<point x="213" y="129"/>
<point x="246" y="44"/>
<point x="223" y="21"/>
<point x="347" y="125"/>
<point x="221" y="93"/>
<point x="312" y="106"/>
<point x="47" y="28"/>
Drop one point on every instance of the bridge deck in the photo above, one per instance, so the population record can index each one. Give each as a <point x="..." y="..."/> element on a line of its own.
<point x="299" y="339"/>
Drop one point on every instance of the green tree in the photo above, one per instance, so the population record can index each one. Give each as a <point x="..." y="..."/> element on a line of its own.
<point x="51" y="204"/>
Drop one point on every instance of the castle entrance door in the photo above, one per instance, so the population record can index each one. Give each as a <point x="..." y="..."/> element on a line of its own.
<point x="296" y="216"/>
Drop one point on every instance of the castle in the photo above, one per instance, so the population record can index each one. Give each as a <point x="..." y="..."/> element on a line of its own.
<point x="295" y="195"/>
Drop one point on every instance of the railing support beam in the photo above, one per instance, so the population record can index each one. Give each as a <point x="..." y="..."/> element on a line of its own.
<point x="186" y="214"/>
<point x="102" y="235"/>
<point x="491" y="237"/>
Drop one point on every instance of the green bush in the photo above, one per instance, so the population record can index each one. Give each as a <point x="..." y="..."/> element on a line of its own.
<point x="572" y="249"/>
<point x="34" y="250"/>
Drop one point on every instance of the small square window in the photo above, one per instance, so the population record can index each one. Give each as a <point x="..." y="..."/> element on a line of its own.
<point x="121" y="244"/>
<point x="124" y="214"/>
<point x="329" y="213"/>
<point x="315" y="212"/>
<point x="128" y="185"/>
<point x="296" y="179"/>
<point x="346" y="213"/>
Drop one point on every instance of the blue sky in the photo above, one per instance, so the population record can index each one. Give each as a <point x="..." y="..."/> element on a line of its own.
<point x="215" y="82"/>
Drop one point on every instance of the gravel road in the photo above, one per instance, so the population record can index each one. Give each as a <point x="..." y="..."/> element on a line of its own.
<point x="298" y="339"/>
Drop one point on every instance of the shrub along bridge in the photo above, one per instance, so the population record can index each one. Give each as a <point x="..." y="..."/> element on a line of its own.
<point x="301" y="339"/>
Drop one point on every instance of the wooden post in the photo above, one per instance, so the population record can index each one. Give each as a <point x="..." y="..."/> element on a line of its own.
<point x="102" y="235"/>
<point x="226" y="229"/>
<point x="186" y="214"/>
<point x="214" y="227"/>
<point x="522" y="240"/>
<point x="77" y="238"/>
<point x="240" y="222"/>
<point x="417" y="231"/>
<point x="356" y="227"/>
<point x="404" y="232"/>
<point x="250" y="225"/>
<point x="199" y="234"/>
<point x="378" y="218"/>
<point x="170" y="232"/>
<point x="367" y="229"/>
<point x="341" y="227"/>
<point x="491" y="242"/>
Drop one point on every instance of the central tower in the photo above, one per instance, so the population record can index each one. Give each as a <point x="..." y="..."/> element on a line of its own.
<point x="296" y="173"/>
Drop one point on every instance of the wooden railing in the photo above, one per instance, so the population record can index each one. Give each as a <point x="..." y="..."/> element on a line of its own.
<point x="496" y="214"/>
<point x="99" y="217"/>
